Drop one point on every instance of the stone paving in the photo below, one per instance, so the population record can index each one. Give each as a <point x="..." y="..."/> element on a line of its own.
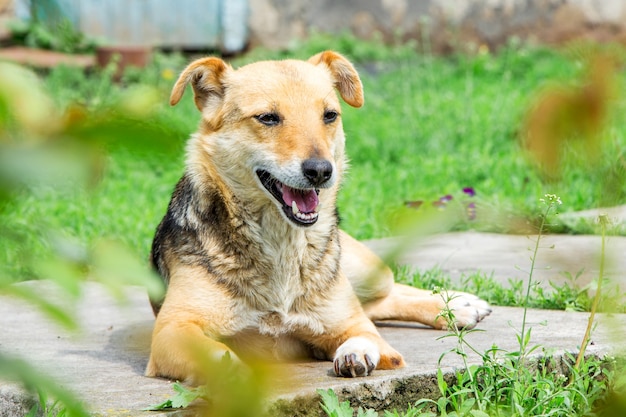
<point x="104" y="363"/>
<point x="508" y="256"/>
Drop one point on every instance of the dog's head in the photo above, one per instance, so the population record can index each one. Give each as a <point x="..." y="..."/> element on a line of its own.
<point x="272" y="130"/>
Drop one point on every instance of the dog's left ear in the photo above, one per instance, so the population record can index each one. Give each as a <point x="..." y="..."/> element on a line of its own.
<point x="205" y="76"/>
<point x="345" y="77"/>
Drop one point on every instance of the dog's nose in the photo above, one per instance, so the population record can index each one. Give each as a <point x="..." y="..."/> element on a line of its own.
<point x="317" y="171"/>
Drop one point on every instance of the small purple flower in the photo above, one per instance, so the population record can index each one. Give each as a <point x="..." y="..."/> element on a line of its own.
<point x="445" y="198"/>
<point x="469" y="191"/>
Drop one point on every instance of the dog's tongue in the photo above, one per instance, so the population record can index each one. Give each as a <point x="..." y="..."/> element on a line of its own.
<point x="306" y="200"/>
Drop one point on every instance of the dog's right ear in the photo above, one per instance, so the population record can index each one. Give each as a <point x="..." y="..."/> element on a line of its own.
<point x="345" y="77"/>
<point x="205" y="76"/>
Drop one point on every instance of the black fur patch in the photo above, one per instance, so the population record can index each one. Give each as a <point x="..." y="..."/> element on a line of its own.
<point x="236" y="262"/>
<point x="178" y="236"/>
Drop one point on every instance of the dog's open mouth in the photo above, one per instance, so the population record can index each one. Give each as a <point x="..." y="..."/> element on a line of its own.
<point x="301" y="206"/>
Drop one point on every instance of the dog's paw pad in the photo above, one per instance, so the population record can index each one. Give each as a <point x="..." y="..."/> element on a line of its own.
<point x="352" y="366"/>
<point x="356" y="357"/>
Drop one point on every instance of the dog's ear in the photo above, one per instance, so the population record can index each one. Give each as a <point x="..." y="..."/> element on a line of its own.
<point x="345" y="77"/>
<point x="205" y="76"/>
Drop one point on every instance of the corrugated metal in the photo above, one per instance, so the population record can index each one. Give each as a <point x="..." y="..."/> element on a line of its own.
<point x="220" y="24"/>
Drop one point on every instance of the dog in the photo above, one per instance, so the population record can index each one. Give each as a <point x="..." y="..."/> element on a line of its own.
<point x="250" y="249"/>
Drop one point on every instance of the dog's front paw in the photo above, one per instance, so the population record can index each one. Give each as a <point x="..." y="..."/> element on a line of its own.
<point x="467" y="310"/>
<point x="357" y="356"/>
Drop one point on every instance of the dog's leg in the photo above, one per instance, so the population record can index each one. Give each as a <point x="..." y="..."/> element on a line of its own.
<point x="373" y="283"/>
<point x="350" y="339"/>
<point x="181" y="351"/>
<point x="194" y="315"/>
<point x="359" y="355"/>
<point x="358" y="350"/>
<point x="411" y="304"/>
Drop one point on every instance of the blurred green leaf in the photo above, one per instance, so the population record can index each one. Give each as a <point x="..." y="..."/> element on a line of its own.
<point x="66" y="274"/>
<point x="62" y="315"/>
<point x="46" y="146"/>
<point x="25" y="102"/>
<point x="114" y="266"/>
<point x="50" y="165"/>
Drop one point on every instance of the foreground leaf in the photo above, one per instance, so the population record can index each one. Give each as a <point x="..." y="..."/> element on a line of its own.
<point x="184" y="396"/>
<point x="331" y="405"/>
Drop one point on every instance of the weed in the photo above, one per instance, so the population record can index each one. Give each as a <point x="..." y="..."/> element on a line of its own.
<point x="45" y="408"/>
<point x="550" y="201"/>
<point x="594" y="307"/>
<point x="613" y="403"/>
<point x="518" y="383"/>
<point x="333" y="408"/>
<point x="428" y="279"/>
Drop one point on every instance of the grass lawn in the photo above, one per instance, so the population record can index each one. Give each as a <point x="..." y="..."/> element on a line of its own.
<point x="430" y="127"/>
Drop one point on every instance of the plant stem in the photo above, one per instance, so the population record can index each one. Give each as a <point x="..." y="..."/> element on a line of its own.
<point x="530" y="280"/>
<point x="596" y="299"/>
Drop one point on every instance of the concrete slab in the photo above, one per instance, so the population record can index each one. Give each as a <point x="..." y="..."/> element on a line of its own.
<point x="616" y="215"/>
<point x="104" y="363"/>
<point x="508" y="256"/>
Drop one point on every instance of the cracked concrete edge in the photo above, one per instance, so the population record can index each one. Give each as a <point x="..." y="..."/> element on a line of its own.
<point x="397" y="393"/>
<point x="388" y="394"/>
<point x="15" y="401"/>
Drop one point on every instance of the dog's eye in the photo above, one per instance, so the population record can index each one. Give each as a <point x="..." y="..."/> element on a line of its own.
<point x="268" y="119"/>
<point x="330" y="116"/>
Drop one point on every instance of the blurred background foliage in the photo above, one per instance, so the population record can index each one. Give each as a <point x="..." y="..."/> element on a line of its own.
<point x="48" y="147"/>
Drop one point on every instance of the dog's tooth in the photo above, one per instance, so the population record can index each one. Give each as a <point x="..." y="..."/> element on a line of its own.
<point x="294" y="208"/>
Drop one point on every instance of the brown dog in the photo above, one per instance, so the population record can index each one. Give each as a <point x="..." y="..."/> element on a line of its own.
<point x="250" y="247"/>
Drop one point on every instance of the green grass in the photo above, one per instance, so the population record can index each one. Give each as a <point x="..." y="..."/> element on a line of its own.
<point x="430" y="126"/>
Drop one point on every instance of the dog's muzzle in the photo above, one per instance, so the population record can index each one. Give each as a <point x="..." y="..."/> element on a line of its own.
<point x="301" y="206"/>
